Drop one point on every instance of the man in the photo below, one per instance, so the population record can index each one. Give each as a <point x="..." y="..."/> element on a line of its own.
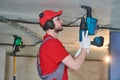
<point x="53" y="59"/>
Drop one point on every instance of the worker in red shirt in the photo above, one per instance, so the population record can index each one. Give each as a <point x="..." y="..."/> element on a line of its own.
<point x="53" y="59"/>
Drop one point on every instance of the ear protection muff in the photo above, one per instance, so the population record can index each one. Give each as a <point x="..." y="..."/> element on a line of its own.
<point x="50" y="24"/>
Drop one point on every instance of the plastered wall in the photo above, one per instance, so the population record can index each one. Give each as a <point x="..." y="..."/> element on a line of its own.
<point x="26" y="70"/>
<point x="90" y="70"/>
<point x="2" y="63"/>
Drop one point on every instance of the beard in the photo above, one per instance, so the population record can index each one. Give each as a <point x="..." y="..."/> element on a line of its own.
<point x="58" y="29"/>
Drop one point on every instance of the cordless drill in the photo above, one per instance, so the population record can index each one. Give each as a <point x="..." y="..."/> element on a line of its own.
<point x="90" y="24"/>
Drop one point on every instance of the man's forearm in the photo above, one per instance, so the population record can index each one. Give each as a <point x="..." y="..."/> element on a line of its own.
<point x="81" y="57"/>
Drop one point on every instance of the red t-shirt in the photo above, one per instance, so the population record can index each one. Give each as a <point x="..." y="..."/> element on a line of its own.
<point x="51" y="53"/>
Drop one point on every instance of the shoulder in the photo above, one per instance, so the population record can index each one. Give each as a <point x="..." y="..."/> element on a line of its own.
<point x="53" y="41"/>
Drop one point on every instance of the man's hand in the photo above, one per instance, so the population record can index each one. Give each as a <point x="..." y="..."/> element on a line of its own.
<point x="85" y="43"/>
<point x="85" y="40"/>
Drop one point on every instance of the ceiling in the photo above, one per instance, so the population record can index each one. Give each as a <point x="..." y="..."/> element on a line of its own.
<point x="20" y="17"/>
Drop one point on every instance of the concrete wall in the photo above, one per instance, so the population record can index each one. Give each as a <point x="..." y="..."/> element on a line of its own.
<point x="90" y="70"/>
<point x="2" y="63"/>
<point x="26" y="70"/>
<point x="26" y="67"/>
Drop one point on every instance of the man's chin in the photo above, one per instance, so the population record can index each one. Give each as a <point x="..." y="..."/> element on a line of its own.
<point x="58" y="30"/>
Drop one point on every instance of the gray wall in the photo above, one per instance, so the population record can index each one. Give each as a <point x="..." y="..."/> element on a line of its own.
<point x="2" y="63"/>
<point x="26" y="70"/>
<point x="90" y="70"/>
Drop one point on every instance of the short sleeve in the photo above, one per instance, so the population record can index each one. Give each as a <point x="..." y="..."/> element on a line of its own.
<point x="57" y="51"/>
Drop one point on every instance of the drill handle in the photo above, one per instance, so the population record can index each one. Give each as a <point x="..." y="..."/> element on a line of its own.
<point x="89" y="14"/>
